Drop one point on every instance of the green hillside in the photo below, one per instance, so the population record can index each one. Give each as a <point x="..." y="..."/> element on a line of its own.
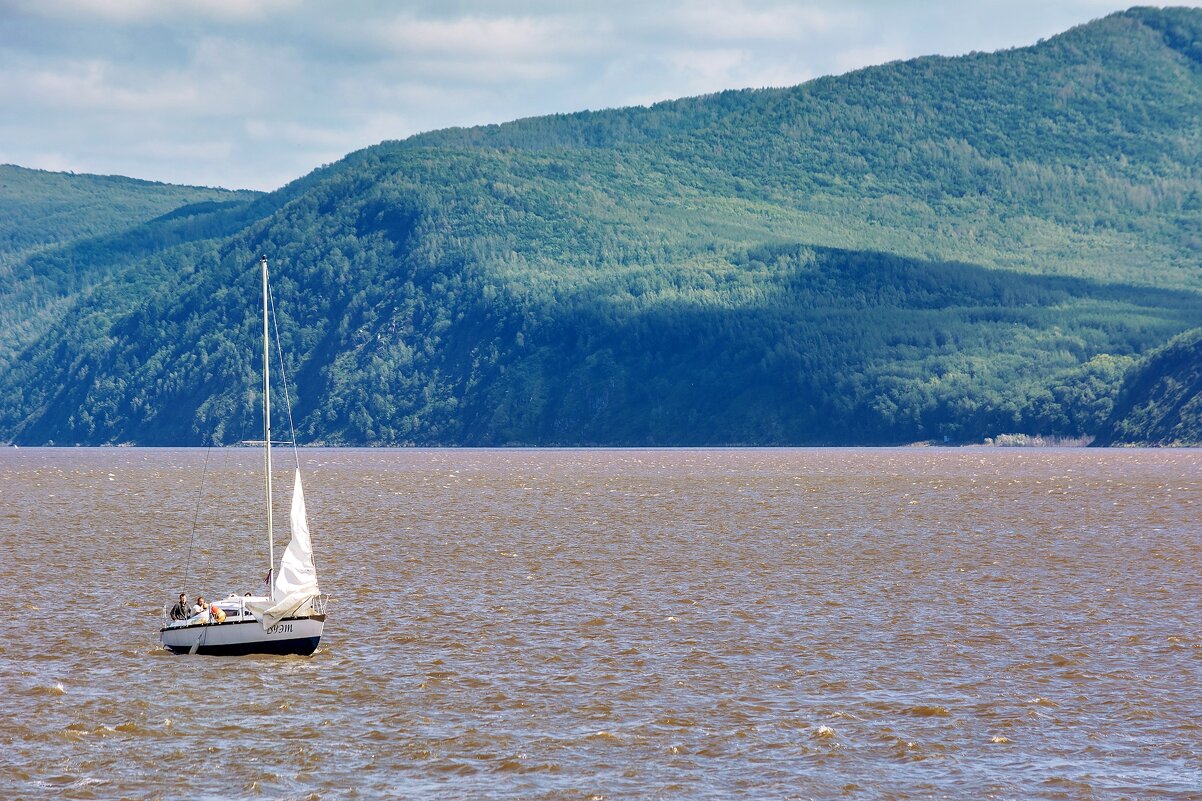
<point x="40" y="209"/>
<point x="61" y="233"/>
<point x="1160" y="403"/>
<point x="945" y="247"/>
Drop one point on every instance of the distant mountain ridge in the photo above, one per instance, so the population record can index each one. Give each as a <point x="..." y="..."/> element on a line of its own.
<point x="942" y="248"/>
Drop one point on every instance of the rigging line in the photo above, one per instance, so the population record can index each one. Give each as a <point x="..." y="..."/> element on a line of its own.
<point x="196" y="513"/>
<point x="275" y="324"/>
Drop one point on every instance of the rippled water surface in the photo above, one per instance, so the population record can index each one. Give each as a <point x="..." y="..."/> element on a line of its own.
<point x="579" y="624"/>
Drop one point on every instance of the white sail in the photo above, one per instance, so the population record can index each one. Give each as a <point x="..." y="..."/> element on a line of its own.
<point x="296" y="582"/>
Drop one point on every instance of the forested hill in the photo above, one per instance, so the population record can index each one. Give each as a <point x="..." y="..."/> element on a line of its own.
<point x="939" y="248"/>
<point x="59" y="233"/>
<point x="40" y="209"/>
<point x="1160" y="403"/>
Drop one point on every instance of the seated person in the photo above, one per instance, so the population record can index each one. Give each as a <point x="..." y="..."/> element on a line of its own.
<point x="201" y="610"/>
<point x="180" y="611"/>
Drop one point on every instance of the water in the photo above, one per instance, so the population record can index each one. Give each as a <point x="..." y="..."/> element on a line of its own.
<point x="696" y="624"/>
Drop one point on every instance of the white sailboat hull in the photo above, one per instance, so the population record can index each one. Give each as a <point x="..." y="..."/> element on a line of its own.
<point x="293" y="635"/>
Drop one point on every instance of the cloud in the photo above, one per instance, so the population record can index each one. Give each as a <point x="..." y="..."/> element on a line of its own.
<point x="193" y="150"/>
<point x="151" y="11"/>
<point x="480" y="38"/>
<point x="94" y="85"/>
<point x="293" y="134"/>
<point x="735" y="22"/>
<point x="211" y="81"/>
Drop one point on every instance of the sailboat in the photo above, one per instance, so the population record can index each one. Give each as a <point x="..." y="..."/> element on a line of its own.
<point x="290" y="618"/>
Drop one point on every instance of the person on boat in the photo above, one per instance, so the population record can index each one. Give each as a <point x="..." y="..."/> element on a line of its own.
<point x="201" y="609"/>
<point x="180" y="610"/>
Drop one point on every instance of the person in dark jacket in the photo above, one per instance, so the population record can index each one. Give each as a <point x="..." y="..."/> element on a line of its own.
<point x="181" y="611"/>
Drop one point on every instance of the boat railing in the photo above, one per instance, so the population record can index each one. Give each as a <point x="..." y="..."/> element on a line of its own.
<point x="319" y="604"/>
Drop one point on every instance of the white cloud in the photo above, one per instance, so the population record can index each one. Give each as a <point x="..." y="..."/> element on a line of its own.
<point x="784" y="22"/>
<point x="147" y="11"/>
<point x="97" y="86"/>
<point x="193" y="150"/>
<point x="477" y="37"/>
<point x="289" y="133"/>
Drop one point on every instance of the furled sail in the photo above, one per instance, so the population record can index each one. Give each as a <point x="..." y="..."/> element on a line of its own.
<point x="296" y="582"/>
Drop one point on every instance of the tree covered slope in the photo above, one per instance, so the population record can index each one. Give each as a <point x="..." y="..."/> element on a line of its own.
<point x="1160" y="402"/>
<point x="61" y="233"/>
<point x="40" y="209"/>
<point x="945" y="247"/>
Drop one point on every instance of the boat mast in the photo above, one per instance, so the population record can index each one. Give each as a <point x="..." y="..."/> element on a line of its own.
<point x="267" y="432"/>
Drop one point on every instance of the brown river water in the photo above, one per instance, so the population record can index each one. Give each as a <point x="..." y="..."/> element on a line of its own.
<point x="615" y="624"/>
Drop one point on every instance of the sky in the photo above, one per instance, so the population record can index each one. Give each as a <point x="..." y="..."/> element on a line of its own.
<point x="255" y="93"/>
